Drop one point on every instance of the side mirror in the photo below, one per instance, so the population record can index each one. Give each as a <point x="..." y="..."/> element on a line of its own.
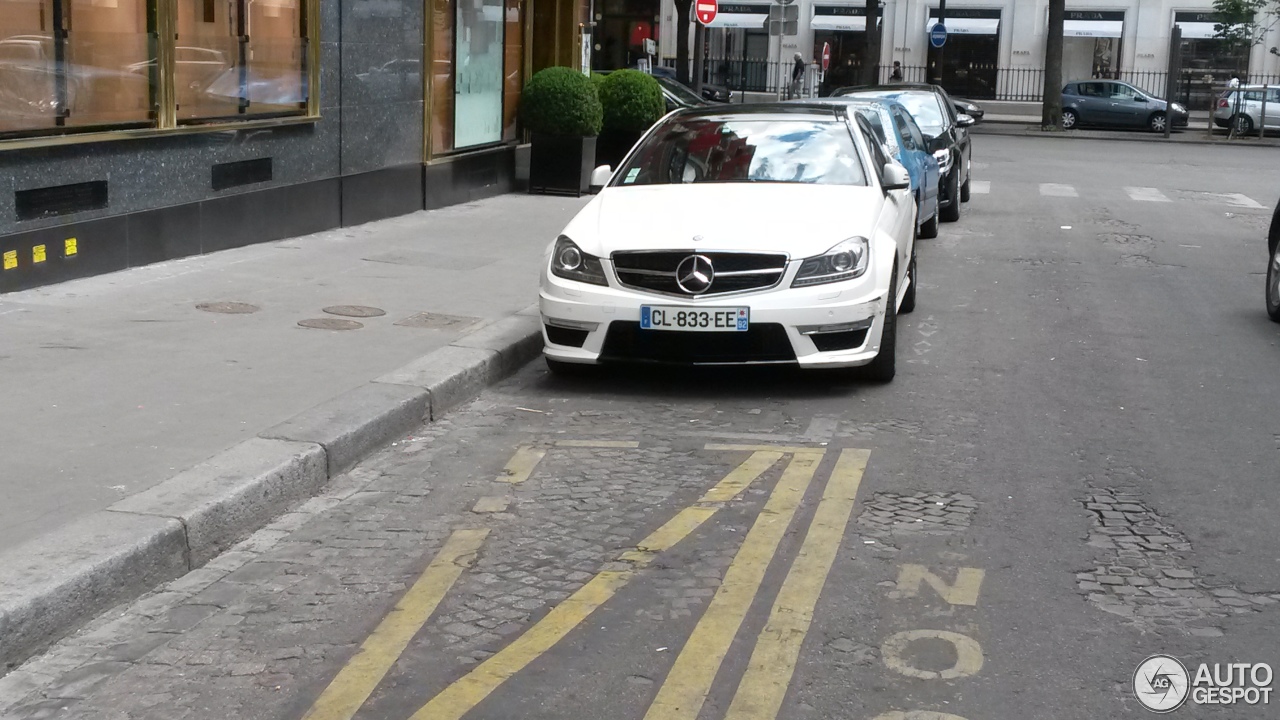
<point x="600" y="177"/>
<point x="1139" y="98"/>
<point x="894" y="177"/>
<point x="965" y="120"/>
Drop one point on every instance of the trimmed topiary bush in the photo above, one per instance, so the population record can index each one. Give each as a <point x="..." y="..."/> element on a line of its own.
<point x="561" y="102"/>
<point x="632" y="101"/>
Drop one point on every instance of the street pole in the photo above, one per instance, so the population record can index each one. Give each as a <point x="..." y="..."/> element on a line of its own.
<point x="699" y="59"/>
<point x="942" y="18"/>
<point x="1171" y="82"/>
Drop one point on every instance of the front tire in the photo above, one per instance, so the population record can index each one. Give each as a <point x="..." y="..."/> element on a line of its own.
<point x="1069" y="119"/>
<point x="951" y="213"/>
<point x="1157" y="122"/>
<point x="1244" y="124"/>
<point x="964" y="190"/>
<point x="884" y="367"/>
<point x="930" y="228"/>
<point x="1273" y="285"/>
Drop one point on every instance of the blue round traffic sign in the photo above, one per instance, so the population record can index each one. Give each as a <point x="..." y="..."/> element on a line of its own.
<point x="938" y="35"/>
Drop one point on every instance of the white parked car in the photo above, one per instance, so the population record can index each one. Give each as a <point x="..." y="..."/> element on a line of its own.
<point x="738" y="235"/>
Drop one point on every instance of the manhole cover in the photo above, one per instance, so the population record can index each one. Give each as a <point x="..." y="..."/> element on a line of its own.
<point x="436" y="321"/>
<point x="330" y="324"/>
<point x="228" y="308"/>
<point x="361" y="311"/>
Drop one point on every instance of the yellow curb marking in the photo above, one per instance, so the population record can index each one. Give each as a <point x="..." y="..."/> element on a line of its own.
<point x="759" y="448"/>
<point x="773" y="662"/>
<point x="685" y="690"/>
<point x="458" y="699"/>
<point x="598" y="443"/>
<point x="493" y="504"/>
<point x="362" y="673"/>
<point x="522" y="464"/>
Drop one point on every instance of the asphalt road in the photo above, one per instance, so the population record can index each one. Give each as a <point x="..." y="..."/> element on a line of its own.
<point x="1074" y="470"/>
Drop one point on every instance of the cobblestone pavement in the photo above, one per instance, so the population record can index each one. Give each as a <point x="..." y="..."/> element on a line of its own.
<point x="1073" y="471"/>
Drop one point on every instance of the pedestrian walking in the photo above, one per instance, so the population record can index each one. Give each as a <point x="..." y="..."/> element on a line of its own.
<point x="797" y="77"/>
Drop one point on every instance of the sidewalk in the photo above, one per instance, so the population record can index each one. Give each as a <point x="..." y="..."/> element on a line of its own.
<point x="117" y="383"/>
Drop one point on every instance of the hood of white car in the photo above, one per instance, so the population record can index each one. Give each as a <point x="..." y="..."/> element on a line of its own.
<point x="800" y="219"/>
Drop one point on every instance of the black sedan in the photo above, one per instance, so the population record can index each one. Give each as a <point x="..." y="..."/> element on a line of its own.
<point x="946" y="130"/>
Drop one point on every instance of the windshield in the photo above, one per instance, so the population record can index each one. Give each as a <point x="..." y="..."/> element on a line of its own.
<point x="682" y="93"/>
<point x="746" y="150"/>
<point x="922" y="105"/>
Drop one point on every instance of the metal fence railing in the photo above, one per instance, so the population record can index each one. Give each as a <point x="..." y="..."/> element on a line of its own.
<point x="755" y="75"/>
<point x="1196" y="88"/>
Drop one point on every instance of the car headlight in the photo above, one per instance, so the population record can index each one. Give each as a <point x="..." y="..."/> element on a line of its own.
<point x="944" y="160"/>
<point x="845" y="261"/>
<point x="1177" y="107"/>
<point x="569" y="262"/>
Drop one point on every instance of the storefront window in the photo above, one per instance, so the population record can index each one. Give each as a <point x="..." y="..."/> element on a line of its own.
<point x="83" y="65"/>
<point x="478" y="76"/>
<point x="238" y="58"/>
<point x="73" y="64"/>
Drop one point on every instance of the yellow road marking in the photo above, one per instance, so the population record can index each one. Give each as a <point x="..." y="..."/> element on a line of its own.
<point x="459" y="698"/>
<point x="522" y="464"/>
<point x="766" y="448"/>
<point x="964" y="591"/>
<point x="968" y="654"/>
<point x="357" y="680"/>
<point x="491" y="504"/>
<point x="598" y="443"/>
<point x="773" y="662"/>
<point x="685" y="690"/>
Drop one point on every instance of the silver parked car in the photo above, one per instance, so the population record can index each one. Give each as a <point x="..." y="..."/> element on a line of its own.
<point x="1243" y="106"/>
<point x="1117" y="104"/>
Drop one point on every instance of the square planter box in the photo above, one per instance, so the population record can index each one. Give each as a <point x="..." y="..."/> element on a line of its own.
<point x="561" y="164"/>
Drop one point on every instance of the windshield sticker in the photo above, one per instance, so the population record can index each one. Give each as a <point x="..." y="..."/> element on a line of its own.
<point x="631" y="175"/>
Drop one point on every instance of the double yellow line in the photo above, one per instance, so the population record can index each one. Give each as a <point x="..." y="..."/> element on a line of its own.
<point x="764" y="685"/>
<point x="681" y="696"/>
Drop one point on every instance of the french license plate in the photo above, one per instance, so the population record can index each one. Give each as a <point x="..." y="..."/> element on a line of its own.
<point x="721" y="319"/>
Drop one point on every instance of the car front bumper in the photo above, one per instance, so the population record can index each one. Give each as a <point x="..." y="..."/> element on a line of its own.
<point x="592" y="324"/>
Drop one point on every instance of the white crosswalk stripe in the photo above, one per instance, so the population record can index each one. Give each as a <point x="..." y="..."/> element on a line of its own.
<point x="1146" y="194"/>
<point x="1135" y="193"/>
<point x="1057" y="190"/>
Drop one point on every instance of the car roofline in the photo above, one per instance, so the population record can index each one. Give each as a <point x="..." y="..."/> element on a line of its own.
<point x="810" y="110"/>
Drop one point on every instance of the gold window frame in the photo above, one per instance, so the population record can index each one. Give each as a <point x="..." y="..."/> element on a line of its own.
<point x="166" y="14"/>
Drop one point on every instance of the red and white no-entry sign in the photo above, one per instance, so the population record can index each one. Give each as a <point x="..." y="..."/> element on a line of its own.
<point x="706" y="10"/>
<point x="826" y="56"/>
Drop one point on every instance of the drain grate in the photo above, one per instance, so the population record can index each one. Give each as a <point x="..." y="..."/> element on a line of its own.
<point x="330" y="324"/>
<point x="357" y="311"/>
<point x="228" y="308"/>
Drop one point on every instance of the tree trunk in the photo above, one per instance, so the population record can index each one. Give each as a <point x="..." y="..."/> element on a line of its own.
<point x="871" y="45"/>
<point x="1051" y="115"/>
<point x="683" y="8"/>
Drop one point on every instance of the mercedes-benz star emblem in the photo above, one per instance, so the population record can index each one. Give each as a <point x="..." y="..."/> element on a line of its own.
<point x="694" y="274"/>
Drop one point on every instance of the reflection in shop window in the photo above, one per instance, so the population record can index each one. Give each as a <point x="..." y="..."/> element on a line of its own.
<point x="236" y="58"/>
<point x="478" y="72"/>
<point x="74" y="64"/>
